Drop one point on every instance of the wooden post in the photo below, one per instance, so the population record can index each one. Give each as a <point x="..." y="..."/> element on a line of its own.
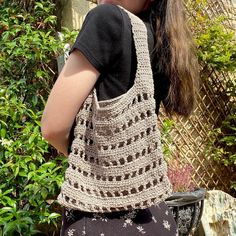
<point x="74" y="12"/>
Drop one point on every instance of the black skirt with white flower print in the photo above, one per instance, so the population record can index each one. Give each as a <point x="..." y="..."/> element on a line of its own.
<point x="153" y="221"/>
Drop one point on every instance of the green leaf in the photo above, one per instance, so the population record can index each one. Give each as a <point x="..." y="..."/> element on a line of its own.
<point x="30" y="175"/>
<point x="16" y="172"/>
<point x="54" y="215"/>
<point x="44" y="193"/>
<point x="3" y="133"/>
<point x="9" y="228"/>
<point x="6" y="209"/>
<point x="31" y="139"/>
<point x="38" y="5"/>
<point x="7" y="191"/>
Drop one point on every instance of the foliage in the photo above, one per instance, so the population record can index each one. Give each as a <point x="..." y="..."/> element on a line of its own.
<point x="214" y="37"/>
<point x="27" y="180"/>
<point x="166" y="138"/>
<point x="216" y="43"/>
<point x="227" y="139"/>
<point x="179" y="174"/>
<point x="31" y="172"/>
<point x="222" y="146"/>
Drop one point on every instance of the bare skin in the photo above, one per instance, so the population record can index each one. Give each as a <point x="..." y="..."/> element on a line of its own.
<point x="73" y="85"/>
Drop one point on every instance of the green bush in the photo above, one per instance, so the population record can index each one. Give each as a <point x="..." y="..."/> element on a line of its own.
<point x="222" y="146"/>
<point x="31" y="172"/>
<point x="217" y="52"/>
<point x="27" y="179"/>
<point x="217" y="45"/>
<point x="215" y="38"/>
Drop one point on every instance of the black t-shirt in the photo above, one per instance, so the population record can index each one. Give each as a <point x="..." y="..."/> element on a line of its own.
<point x="105" y="39"/>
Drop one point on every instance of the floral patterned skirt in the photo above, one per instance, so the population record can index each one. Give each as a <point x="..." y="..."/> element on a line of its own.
<point x="153" y="221"/>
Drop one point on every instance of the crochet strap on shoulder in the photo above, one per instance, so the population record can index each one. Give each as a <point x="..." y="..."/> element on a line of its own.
<point x="116" y="162"/>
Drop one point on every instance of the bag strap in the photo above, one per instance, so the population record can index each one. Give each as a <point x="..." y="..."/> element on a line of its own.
<point x="139" y="30"/>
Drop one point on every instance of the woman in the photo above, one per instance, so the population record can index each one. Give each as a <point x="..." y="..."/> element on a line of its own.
<point x="116" y="181"/>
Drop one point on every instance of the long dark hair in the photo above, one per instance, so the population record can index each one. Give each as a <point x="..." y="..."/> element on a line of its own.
<point x="175" y="54"/>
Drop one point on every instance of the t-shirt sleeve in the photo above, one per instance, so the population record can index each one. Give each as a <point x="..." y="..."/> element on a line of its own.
<point x="100" y="36"/>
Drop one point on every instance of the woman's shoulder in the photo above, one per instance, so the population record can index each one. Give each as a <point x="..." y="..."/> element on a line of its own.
<point x="106" y="13"/>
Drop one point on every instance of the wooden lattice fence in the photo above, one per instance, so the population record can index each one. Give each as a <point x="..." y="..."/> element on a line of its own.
<point x="191" y="136"/>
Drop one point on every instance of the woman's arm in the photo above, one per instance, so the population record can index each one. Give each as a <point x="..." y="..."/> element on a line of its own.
<point x="72" y="87"/>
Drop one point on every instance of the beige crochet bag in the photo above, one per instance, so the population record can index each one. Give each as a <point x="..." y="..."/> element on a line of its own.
<point x="116" y="162"/>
